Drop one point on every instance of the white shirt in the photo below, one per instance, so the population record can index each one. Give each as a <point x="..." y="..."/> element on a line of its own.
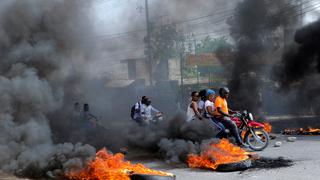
<point x="201" y="105"/>
<point x="191" y="115"/>
<point x="208" y="104"/>
<point x="146" y="111"/>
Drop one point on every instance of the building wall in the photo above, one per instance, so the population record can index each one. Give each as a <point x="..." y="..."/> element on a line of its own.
<point x="142" y="70"/>
<point x="174" y="69"/>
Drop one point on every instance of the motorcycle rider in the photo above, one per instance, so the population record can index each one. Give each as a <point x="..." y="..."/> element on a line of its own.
<point x="209" y="112"/>
<point x="192" y="110"/>
<point x="146" y="111"/>
<point x="222" y="115"/>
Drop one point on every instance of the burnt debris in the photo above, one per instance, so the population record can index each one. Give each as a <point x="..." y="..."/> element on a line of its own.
<point x="270" y="163"/>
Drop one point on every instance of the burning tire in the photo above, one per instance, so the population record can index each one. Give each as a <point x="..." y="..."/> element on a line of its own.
<point x="237" y="166"/>
<point x="150" y="177"/>
<point x="259" y="141"/>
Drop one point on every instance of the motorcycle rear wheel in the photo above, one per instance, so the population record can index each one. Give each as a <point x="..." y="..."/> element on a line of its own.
<point x="253" y="143"/>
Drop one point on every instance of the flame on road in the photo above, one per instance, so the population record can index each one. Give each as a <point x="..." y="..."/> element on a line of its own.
<point x="267" y="127"/>
<point x="302" y="131"/>
<point x="111" y="167"/>
<point x="218" y="153"/>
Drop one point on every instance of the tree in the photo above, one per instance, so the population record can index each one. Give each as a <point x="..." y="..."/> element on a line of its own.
<point x="163" y="41"/>
<point x="213" y="45"/>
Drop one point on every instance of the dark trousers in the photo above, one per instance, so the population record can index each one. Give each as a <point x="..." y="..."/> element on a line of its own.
<point x="222" y="133"/>
<point x="138" y="120"/>
<point x="229" y="124"/>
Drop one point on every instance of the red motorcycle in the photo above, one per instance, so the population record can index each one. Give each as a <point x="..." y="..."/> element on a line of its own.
<point x="252" y="132"/>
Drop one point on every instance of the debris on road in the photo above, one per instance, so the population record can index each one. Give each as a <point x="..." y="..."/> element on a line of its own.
<point x="278" y="144"/>
<point x="269" y="163"/>
<point x="291" y="139"/>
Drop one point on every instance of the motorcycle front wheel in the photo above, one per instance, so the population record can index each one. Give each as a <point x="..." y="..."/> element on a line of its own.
<point x="257" y="141"/>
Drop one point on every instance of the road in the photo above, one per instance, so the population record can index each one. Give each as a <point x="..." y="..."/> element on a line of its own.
<point x="305" y="152"/>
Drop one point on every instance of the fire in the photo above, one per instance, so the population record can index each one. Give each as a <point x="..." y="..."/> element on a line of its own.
<point x="267" y="127"/>
<point x="313" y="130"/>
<point x="220" y="153"/>
<point x="302" y="131"/>
<point x="111" y="167"/>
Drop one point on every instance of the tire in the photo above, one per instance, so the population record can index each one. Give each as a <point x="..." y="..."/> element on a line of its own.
<point x="150" y="177"/>
<point x="237" y="166"/>
<point x="248" y="138"/>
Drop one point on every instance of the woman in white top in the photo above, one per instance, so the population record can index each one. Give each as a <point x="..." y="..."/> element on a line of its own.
<point x="209" y="109"/>
<point x="192" y="111"/>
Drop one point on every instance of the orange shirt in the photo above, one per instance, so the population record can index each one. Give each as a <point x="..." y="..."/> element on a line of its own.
<point x="222" y="104"/>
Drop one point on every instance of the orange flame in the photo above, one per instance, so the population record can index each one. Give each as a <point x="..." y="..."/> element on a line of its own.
<point x="267" y="127"/>
<point x="313" y="130"/>
<point x="111" y="167"/>
<point x="307" y="131"/>
<point x="221" y="153"/>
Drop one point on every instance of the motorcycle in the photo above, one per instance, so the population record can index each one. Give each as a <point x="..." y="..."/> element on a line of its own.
<point x="252" y="132"/>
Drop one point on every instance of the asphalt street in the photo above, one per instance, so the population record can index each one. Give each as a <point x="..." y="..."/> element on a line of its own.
<point x="305" y="152"/>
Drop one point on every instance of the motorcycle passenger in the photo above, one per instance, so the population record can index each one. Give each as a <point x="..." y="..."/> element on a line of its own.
<point x="209" y="113"/>
<point x="146" y="111"/>
<point x="222" y="115"/>
<point x="202" y="95"/>
<point x="192" y="110"/>
<point x="136" y="109"/>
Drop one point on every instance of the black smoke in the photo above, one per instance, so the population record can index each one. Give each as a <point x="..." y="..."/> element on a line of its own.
<point x="253" y="28"/>
<point x="298" y="73"/>
<point x="41" y="43"/>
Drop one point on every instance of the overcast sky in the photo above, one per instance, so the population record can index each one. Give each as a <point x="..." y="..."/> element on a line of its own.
<point x="115" y="17"/>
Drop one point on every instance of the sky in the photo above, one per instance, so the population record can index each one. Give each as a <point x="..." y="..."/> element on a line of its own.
<point x="114" y="17"/>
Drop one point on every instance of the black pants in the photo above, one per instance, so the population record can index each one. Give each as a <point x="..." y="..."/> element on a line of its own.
<point x="229" y="124"/>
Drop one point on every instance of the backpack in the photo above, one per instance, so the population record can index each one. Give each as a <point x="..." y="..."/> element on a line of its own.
<point x="133" y="110"/>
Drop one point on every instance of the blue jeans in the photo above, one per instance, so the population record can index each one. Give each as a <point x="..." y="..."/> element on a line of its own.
<point x="218" y="124"/>
<point x="227" y="122"/>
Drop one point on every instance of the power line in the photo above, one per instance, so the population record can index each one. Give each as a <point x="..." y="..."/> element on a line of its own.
<point x="226" y="29"/>
<point x="217" y="21"/>
<point x="116" y="35"/>
<point x="305" y="10"/>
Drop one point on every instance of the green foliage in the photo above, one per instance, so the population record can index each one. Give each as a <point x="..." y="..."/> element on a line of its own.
<point x="189" y="72"/>
<point x="212" y="45"/>
<point x="164" y="41"/>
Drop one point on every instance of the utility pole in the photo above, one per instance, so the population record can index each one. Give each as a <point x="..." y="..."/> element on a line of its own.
<point x="148" y="41"/>
<point x="301" y="12"/>
<point x="181" y="76"/>
<point x="196" y="66"/>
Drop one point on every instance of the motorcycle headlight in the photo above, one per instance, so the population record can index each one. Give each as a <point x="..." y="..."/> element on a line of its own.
<point x="250" y="116"/>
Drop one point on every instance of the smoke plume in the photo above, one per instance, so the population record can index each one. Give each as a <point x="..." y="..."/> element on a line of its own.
<point x="41" y="42"/>
<point x="299" y="70"/>
<point x="255" y="30"/>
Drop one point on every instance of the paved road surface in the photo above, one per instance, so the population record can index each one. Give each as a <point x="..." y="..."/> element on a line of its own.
<point x="305" y="152"/>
